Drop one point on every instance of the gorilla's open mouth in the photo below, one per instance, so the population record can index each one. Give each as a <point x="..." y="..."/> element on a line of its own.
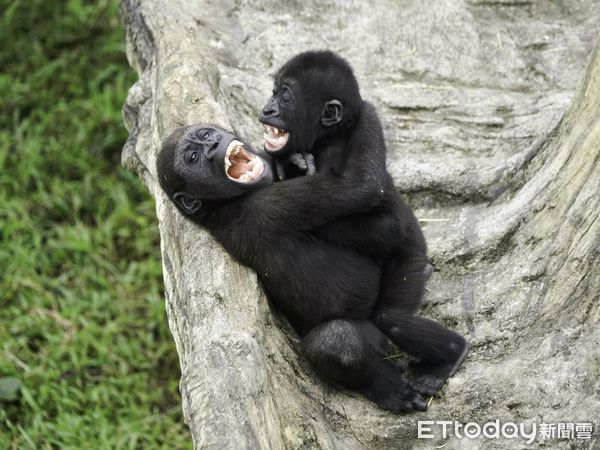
<point x="275" y="138"/>
<point x="240" y="165"/>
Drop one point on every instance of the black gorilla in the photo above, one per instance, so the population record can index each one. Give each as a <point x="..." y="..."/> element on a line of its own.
<point x="316" y="109"/>
<point x="327" y="292"/>
<point x="338" y="252"/>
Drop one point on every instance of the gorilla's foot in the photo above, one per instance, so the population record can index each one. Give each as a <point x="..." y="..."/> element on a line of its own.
<point x="431" y="377"/>
<point x="392" y="392"/>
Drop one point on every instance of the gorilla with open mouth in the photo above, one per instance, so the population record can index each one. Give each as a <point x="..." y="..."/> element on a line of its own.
<point x="328" y="292"/>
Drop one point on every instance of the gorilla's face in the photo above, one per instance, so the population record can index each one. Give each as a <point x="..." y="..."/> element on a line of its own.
<point x="315" y="95"/>
<point x="203" y="163"/>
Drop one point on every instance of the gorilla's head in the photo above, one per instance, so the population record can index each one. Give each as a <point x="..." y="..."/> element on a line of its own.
<point x="315" y="95"/>
<point x="205" y="164"/>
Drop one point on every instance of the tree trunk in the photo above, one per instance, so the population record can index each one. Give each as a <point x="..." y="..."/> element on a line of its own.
<point x="483" y="143"/>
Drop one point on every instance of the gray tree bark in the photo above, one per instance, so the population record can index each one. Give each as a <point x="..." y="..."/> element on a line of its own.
<point x="493" y="142"/>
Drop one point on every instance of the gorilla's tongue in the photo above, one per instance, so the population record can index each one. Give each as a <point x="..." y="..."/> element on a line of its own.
<point x="241" y="165"/>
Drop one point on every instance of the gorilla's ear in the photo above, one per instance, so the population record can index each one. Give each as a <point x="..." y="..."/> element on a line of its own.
<point x="333" y="111"/>
<point x="189" y="204"/>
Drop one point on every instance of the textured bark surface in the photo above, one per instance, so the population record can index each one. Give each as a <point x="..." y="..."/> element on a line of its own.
<point x="492" y="122"/>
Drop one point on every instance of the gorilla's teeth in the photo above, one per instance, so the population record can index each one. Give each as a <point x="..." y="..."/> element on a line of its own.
<point x="269" y="132"/>
<point x="237" y="158"/>
<point x="232" y="149"/>
<point x="273" y="132"/>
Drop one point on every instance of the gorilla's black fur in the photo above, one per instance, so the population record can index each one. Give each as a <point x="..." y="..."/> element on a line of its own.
<point x="339" y="252"/>
<point x="324" y="115"/>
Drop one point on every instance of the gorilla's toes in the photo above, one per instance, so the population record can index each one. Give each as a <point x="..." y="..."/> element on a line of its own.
<point x="408" y="403"/>
<point x="419" y="404"/>
<point x="427" y="385"/>
<point x="401" y="400"/>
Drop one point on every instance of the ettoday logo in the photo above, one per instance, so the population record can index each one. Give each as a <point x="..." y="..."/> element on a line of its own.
<point x="444" y="429"/>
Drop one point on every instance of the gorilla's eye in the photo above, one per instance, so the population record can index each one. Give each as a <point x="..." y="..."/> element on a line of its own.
<point x="203" y="134"/>
<point x="287" y="95"/>
<point x="191" y="157"/>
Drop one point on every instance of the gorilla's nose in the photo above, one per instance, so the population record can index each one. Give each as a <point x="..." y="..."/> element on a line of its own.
<point x="211" y="149"/>
<point x="271" y="109"/>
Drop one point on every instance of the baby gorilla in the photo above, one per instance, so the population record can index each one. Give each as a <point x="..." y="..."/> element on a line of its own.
<point x="316" y="109"/>
<point x="329" y="293"/>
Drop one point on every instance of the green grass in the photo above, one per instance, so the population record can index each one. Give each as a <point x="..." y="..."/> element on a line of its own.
<point x="82" y="323"/>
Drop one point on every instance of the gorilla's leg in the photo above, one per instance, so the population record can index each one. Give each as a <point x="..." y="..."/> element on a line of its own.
<point x="403" y="283"/>
<point x="349" y="352"/>
<point x="439" y="351"/>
